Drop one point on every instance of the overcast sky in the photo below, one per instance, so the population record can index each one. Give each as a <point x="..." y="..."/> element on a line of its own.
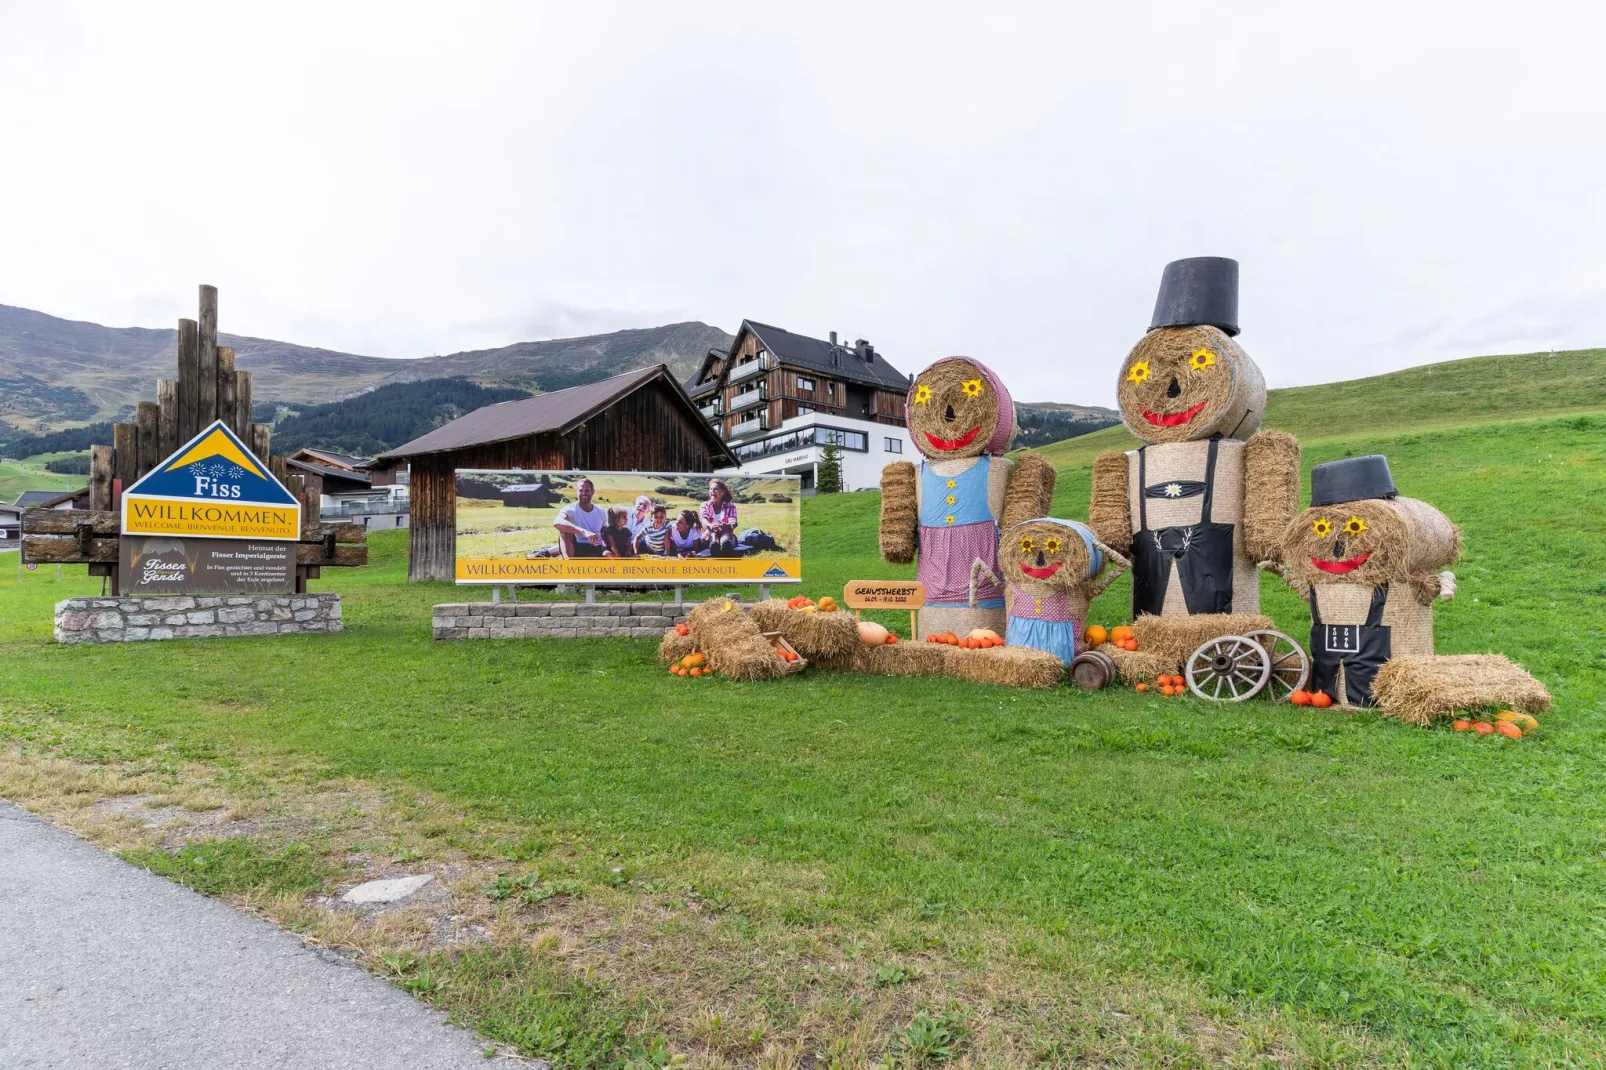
<point x="1402" y="182"/>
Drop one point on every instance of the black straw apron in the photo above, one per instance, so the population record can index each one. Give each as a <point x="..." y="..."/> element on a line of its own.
<point x="1201" y="553"/>
<point x="1360" y="648"/>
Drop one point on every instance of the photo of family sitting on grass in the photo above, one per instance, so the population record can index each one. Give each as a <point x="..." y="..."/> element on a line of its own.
<point x="616" y="515"/>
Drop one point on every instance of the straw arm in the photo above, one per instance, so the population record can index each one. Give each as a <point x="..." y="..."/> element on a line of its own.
<point x="900" y="512"/>
<point x="1271" y="491"/>
<point x="1109" y="513"/>
<point x="1029" y="493"/>
<point x="1286" y="574"/>
<point x="1115" y="566"/>
<point x="1427" y="586"/>
<point x="977" y="567"/>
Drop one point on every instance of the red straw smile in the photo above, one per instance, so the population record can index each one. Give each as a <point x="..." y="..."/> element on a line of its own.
<point x="953" y="443"/>
<point x="1171" y="419"/>
<point x="1338" y="568"/>
<point x="1041" y="573"/>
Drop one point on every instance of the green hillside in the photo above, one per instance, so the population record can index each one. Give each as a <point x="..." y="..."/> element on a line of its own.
<point x="1457" y="392"/>
<point x="18" y="476"/>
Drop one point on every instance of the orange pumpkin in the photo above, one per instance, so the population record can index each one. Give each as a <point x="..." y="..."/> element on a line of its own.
<point x="1509" y="730"/>
<point x="1462" y="725"/>
<point x="1321" y="700"/>
<point x="1096" y="635"/>
<point x="1483" y="728"/>
<point x="1300" y="698"/>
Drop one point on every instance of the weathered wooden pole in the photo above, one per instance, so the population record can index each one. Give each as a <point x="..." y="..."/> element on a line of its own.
<point x="167" y="439"/>
<point x="189" y="370"/>
<point x="100" y="476"/>
<point x="146" y="415"/>
<point x="125" y="439"/>
<point x="242" y="404"/>
<point x="261" y="439"/>
<point x="206" y="371"/>
<point x="227" y="398"/>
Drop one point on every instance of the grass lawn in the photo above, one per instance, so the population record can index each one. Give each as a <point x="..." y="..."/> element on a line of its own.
<point x="980" y="874"/>
<point x="18" y="476"/>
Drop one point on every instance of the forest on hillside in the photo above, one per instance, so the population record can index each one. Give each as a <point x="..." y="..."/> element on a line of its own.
<point x="382" y="419"/>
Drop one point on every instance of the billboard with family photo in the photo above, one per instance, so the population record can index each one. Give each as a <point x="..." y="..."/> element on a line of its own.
<point x="627" y="528"/>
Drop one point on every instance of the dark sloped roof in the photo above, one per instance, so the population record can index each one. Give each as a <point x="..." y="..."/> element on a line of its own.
<point x="560" y="411"/>
<point x="351" y="460"/>
<point x="818" y="353"/>
<point x="38" y="498"/>
<point x="332" y="473"/>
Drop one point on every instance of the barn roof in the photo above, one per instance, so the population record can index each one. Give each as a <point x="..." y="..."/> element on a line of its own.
<point x="558" y="412"/>
<point x="39" y="499"/>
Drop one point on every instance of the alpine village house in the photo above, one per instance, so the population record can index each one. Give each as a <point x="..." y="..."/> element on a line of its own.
<point x="778" y="398"/>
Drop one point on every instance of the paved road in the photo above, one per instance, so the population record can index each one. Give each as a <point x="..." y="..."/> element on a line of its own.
<point x="105" y="966"/>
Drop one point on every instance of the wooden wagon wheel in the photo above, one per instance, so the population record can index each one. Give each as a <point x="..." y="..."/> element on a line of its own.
<point x="1229" y="669"/>
<point x="1290" y="667"/>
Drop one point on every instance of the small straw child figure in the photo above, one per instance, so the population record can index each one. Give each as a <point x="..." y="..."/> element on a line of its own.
<point x="1052" y="569"/>
<point x="1368" y="562"/>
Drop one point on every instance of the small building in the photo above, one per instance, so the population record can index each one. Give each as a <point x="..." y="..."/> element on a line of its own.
<point x="538" y="495"/>
<point x="345" y="489"/>
<point x="641" y="421"/>
<point x="10" y="525"/>
<point x="778" y="398"/>
<point x="53" y="499"/>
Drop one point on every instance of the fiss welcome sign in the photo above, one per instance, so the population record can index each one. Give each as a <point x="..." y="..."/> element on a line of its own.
<point x="627" y="528"/>
<point x="212" y="487"/>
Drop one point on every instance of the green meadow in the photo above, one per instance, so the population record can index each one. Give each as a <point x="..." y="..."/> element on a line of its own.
<point x="988" y="876"/>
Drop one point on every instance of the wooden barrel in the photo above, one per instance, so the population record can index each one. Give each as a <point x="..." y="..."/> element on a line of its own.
<point x="1092" y="670"/>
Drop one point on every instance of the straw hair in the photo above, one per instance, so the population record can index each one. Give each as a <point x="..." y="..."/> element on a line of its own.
<point x="674" y="646"/>
<point x="1271" y="492"/>
<point x="1109" y="513"/>
<point x="813" y="635"/>
<point x="1417" y="689"/>
<point x="978" y="399"/>
<point x="1014" y="666"/>
<point x="735" y="646"/>
<point x="1030" y="490"/>
<point x="1176" y="638"/>
<point x="1405" y="538"/>
<point x="1135" y="666"/>
<point x="1228" y="384"/>
<point x="900" y="512"/>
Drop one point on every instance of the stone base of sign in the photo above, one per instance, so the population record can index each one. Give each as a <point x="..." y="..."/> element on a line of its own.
<point x="555" y="620"/>
<point x="136" y="618"/>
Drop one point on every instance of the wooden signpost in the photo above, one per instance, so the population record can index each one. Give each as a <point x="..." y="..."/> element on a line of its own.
<point x="886" y="594"/>
<point x="208" y="389"/>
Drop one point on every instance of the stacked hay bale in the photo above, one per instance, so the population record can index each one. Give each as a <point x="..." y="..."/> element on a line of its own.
<point x="1174" y="639"/>
<point x="733" y="641"/>
<point x="1417" y="688"/>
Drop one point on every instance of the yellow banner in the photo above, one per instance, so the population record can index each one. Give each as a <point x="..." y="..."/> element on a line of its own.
<point x="157" y="516"/>
<point x="754" y="569"/>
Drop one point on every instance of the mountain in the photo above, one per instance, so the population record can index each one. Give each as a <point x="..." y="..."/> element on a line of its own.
<point x="56" y="372"/>
<point x="381" y="419"/>
<point x="1042" y="422"/>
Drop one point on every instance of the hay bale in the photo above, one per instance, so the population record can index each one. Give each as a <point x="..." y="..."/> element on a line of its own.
<point x="1403" y="536"/>
<point x="1013" y="666"/>
<point x="1271" y="492"/>
<point x="1109" y="513"/>
<point x="1029" y="492"/>
<point x="674" y="646"/>
<point x="975" y="396"/>
<point x="900" y="512"/>
<point x="1134" y="665"/>
<point x="733" y="641"/>
<point x="1176" y="638"/>
<point x="1232" y="391"/>
<point x="901" y="659"/>
<point x="813" y="635"/>
<point x="1417" y="688"/>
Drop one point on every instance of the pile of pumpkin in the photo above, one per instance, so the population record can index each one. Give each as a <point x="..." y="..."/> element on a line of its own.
<point x="1167" y="684"/>
<point x="1320" y="699"/>
<point x="809" y="605"/>
<point x="1513" y="724"/>
<point x="1121" y="636"/>
<point x="977" y="639"/>
<point x="873" y="634"/>
<point x="693" y="664"/>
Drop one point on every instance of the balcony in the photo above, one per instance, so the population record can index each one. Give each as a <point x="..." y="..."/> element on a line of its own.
<point x="712" y="410"/>
<point x="748" y="398"/>
<point x="750" y="369"/>
<point x="760" y="422"/>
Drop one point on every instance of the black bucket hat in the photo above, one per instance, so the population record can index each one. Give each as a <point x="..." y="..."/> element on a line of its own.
<point x="1351" y="480"/>
<point x="1201" y="290"/>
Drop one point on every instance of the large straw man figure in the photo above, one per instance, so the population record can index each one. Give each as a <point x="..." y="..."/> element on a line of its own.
<point x="950" y="509"/>
<point x="1205" y="498"/>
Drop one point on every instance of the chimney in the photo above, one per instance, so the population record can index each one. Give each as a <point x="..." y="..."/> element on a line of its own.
<point x="833" y="338"/>
<point x="862" y="350"/>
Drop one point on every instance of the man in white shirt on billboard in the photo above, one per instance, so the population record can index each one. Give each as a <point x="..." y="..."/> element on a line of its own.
<point x="579" y="524"/>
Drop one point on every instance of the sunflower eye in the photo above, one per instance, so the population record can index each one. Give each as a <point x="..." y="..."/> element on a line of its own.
<point x="1322" y="526"/>
<point x="922" y="394"/>
<point x="1026" y="544"/>
<point x="1138" y="373"/>
<point x="1354" y="526"/>
<point x="1052" y="545"/>
<point x="1201" y="359"/>
<point x="971" y="387"/>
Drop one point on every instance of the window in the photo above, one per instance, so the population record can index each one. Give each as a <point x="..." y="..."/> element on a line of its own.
<point x="803" y="410"/>
<point x="894" y="445"/>
<point x="805" y="384"/>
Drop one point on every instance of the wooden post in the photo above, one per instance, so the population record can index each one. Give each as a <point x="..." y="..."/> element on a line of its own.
<point x="242" y="404"/>
<point x="146" y="415"/>
<point x="189" y="362"/>
<point x="261" y="439"/>
<point x="227" y="399"/>
<point x="206" y="371"/>
<point x="166" y="418"/>
<point x="100" y="476"/>
<point x="125" y="441"/>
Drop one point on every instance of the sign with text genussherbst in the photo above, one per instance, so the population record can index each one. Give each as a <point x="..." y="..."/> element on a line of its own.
<point x="213" y="487"/>
<point x="626" y="528"/>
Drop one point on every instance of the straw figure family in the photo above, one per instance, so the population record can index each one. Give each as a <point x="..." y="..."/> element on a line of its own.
<point x="1194" y="513"/>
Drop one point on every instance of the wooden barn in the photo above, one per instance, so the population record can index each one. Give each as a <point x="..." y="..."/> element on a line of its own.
<point x="641" y="421"/>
